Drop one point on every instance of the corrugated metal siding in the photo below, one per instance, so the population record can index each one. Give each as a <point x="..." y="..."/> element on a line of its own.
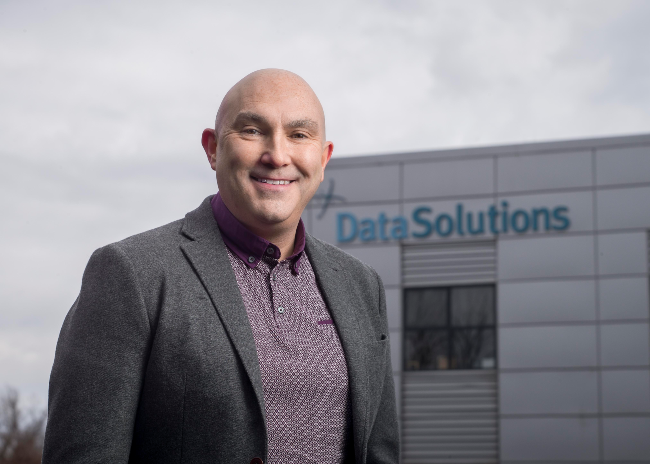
<point x="649" y="251"/>
<point x="449" y="417"/>
<point x="448" y="263"/>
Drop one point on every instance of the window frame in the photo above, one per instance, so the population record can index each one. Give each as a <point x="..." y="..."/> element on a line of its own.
<point x="449" y="328"/>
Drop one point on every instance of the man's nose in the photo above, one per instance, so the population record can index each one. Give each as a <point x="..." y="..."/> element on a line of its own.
<point x="276" y="153"/>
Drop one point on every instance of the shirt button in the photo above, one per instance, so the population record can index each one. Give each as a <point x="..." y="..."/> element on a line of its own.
<point x="280" y="309"/>
<point x="269" y="251"/>
<point x="251" y="259"/>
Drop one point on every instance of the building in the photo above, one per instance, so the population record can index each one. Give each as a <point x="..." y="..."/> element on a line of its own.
<point x="517" y="289"/>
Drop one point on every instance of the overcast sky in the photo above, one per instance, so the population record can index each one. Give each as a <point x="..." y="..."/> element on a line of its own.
<point x="102" y="105"/>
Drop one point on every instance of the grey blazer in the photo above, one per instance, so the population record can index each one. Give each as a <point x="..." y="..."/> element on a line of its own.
<point x="156" y="360"/>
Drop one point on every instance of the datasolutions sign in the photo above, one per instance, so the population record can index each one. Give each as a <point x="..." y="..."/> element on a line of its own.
<point x="424" y="222"/>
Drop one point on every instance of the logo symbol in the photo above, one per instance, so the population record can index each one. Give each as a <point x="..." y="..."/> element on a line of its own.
<point x="327" y="199"/>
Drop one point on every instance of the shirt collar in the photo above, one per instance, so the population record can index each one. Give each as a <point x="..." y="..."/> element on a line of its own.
<point x="249" y="247"/>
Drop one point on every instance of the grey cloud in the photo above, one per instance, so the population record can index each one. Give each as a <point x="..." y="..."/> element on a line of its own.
<point x="104" y="103"/>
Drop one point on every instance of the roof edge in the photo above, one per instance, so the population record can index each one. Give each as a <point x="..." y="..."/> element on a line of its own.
<point x="492" y="150"/>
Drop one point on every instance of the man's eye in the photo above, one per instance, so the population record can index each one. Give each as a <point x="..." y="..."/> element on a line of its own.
<point x="299" y="135"/>
<point x="251" y="131"/>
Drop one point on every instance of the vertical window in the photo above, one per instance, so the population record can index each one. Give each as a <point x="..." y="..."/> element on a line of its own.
<point x="449" y="328"/>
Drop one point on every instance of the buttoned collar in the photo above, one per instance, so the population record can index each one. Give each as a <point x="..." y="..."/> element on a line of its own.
<point x="249" y="247"/>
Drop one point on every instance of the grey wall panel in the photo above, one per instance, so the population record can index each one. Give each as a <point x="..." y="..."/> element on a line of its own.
<point x="547" y="171"/>
<point x="325" y="227"/>
<point x="555" y="301"/>
<point x="623" y="253"/>
<point x="549" y="439"/>
<point x="449" y="417"/>
<point x="383" y="259"/>
<point x="623" y="165"/>
<point x="623" y="208"/>
<point x="397" y="379"/>
<point x="394" y="308"/>
<point x="547" y="347"/>
<point x="448" y="178"/>
<point x="624" y="298"/>
<point x="624" y="345"/>
<point x="626" y="438"/>
<point x="580" y="211"/>
<point x="546" y="257"/>
<point x="548" y="392"/>
<point x="626" y="391"/>
<point x="396" y="349"/>
<point x="369" y="183"/>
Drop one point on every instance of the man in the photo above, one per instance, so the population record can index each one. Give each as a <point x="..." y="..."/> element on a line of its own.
<point x="231" y="336"/>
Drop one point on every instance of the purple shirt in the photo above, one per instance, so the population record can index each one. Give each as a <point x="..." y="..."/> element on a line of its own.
<point x="302" y="365"/>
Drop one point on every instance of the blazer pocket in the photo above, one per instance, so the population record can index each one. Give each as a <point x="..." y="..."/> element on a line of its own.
<point x="377" y="349"/>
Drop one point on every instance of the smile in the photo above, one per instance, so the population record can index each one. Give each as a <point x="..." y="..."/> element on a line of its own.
<point x="272" y="181"/>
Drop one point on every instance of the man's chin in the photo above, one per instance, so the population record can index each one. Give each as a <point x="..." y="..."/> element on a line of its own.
<point x="272" y="216"/>
<point x="272" y="219"/>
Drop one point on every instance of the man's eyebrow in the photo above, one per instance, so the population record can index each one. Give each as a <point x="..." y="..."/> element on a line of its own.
<point x="248" y="116"/>
<point x="304" y="124"/>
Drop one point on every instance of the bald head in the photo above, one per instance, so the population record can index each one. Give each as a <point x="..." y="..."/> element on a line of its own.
<point x="272" y="85"/>
<point x="269" y="152"/>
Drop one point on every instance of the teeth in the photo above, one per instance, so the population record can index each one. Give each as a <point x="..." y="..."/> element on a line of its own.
<point x="275" y="182"/>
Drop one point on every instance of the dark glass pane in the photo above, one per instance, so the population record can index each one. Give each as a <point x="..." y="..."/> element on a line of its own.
<point x="472" y="306"/>
<point x="426" y="350"/>
<point x="426" y="307"/>
<point x="473" y="349"/>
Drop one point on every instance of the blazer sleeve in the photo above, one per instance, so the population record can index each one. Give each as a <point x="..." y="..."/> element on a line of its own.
<point x="384" y="442"/>
<point x="99" y="365"/>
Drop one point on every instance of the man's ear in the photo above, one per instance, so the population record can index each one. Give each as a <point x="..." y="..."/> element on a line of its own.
<point x="209" y="142"/>
<point x="328" y="149"/>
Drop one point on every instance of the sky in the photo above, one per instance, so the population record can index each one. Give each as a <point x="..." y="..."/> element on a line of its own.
<point x="102" y="105"/>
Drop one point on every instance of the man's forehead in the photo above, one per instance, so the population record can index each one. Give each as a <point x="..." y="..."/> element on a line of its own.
<point x="270" y="93"/>
<point x="289" y="98"/>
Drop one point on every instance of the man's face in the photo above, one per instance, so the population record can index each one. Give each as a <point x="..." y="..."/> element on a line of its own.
<point x="270" y="152"/>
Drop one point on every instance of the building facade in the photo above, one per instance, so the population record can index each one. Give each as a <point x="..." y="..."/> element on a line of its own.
<point x="517" y="289"/>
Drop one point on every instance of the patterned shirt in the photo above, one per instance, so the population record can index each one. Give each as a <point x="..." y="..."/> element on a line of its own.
<point x="302" y="364"/>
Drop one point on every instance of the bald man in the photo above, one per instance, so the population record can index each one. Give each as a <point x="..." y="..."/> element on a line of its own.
<point x="232" y="335"/>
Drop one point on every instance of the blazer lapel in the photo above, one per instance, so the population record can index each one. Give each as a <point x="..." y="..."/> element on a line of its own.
<point x="208" y="255"/>
<point x="332" y="280"/>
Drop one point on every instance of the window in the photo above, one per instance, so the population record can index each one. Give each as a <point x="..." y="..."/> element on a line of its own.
<point x="449" y="328"/>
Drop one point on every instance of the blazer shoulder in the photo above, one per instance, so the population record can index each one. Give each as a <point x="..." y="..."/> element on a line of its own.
<point x="167" y="238"/>
<point x="148" y="253"/>
<point x="154" y="239"/>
